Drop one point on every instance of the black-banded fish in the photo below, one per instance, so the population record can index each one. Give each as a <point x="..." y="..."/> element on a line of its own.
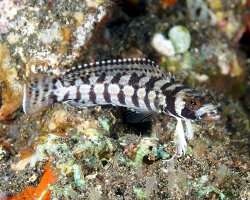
<point x="137" y="84"/>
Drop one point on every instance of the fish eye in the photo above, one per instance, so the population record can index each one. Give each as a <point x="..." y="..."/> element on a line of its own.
<point x="193" y="104"/>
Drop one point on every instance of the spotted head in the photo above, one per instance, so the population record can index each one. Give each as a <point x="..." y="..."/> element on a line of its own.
<point x="192" y="104"/>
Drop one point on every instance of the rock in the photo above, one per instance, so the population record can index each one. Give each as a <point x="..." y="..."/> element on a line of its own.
<point x="10" y="86"/>
<point x="48" y="34"/>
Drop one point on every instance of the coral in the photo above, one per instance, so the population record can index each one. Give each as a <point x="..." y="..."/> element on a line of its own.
<point x="41" y="190"/>
<point x="162" y="45"/>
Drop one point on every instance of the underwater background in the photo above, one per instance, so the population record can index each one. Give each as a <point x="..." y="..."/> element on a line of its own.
<point x="66" y="152"/>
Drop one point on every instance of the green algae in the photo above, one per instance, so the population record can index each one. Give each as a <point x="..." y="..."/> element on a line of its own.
<point x="208" y="189"/>
<point x="205" y="187"/>
<point x="144" y="149"/>
<point x="188" y="151"/>
<point x="71" y="160"/>
<point x="161" y="153"/>
<point x="105" y="124"/>
<point x="140" y="194"/>
<point x="66" y="192"/>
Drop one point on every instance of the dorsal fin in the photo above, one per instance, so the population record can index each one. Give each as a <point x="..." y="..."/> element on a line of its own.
<point x="111" y="67"/>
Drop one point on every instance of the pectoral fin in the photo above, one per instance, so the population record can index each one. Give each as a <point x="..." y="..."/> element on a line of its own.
<point x="138" y="117"/>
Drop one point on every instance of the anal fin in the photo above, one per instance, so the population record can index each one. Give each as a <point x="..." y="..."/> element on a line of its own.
<point x="80" y="104"/>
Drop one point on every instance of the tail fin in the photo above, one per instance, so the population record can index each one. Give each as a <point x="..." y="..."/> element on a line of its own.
<point x="38" y="94"/>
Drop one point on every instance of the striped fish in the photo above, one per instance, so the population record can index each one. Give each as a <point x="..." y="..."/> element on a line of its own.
<point x="137" y="84"/>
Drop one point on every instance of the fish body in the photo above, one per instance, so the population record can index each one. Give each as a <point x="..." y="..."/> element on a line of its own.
<point x="137" y="84"/>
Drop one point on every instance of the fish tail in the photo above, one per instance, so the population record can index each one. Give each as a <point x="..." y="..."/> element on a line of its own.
<point x="38" y="94"/>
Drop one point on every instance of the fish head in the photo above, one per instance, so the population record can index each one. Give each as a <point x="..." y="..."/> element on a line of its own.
<point x="196" y="105"/>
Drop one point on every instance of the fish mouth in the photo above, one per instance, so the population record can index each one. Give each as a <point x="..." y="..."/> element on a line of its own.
<point x="210" y="117"/>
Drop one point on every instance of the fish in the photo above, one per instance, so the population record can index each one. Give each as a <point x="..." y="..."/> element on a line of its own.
<point x="138" y="84"/>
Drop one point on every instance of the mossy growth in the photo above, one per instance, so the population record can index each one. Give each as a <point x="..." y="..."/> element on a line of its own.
<point x="73" y="161"/>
